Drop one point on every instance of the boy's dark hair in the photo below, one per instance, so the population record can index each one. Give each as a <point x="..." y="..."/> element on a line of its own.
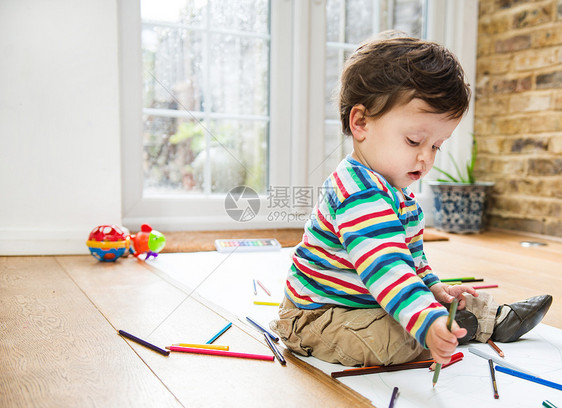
<point x="384" y="73"/>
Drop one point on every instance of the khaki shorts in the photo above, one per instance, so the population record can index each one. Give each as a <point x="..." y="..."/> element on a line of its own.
<point x="361" y="337"/>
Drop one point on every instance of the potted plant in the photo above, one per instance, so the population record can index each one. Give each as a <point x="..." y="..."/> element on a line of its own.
<point x="460" y="201"/>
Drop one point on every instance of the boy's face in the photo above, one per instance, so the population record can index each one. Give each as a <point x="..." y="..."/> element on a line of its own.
<point x="400" y="145"/>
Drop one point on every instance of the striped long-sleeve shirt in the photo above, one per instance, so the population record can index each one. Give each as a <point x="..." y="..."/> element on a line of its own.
<point x="363" y="248"/>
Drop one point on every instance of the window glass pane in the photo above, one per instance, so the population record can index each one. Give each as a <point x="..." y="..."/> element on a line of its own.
<point x="244" y="15"/>
<point x="170" y="147"/>
<point x="205" y="95"/>
<point x="237" y="156"/>
<point x="172" y="63"/>
<point x="361" y="20"/>
<point x="238" y="75"/>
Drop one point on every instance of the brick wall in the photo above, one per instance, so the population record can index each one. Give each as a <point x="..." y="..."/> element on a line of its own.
<point x="518" y="112"/>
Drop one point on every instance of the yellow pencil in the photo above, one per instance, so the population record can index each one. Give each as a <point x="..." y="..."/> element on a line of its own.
<point x="203" y="346"/>
<point x="257" y="302"/>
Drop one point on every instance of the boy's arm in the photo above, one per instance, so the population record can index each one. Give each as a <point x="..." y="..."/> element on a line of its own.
<point x="375" y="240"/>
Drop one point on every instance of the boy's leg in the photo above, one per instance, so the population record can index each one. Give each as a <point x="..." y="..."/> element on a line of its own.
<point x="347" y="336"/>
<point x="508" y="323"/>
<point x="485" y="309"/>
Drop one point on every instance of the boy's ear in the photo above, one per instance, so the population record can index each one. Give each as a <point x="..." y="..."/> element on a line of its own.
<point x="358" y="122"/>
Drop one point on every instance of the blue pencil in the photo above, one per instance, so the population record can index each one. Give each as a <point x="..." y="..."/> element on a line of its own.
<point x="216" y="336"/>
<point x="529" y="377"/>
<point x="257" y="325"/>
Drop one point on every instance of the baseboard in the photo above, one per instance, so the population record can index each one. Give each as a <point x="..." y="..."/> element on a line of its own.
<point x="40" y="242"/>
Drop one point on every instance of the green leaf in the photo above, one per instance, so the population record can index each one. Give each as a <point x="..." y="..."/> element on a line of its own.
<point x="459" y="174"/>
<point x="449" y="176"/>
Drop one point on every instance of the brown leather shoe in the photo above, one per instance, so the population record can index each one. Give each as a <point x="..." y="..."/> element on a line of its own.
<point x="522" y="317"/>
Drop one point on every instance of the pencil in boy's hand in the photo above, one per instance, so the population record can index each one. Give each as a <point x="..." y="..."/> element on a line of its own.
<point x="455" y="358"/>
<point x="452" y="313"/>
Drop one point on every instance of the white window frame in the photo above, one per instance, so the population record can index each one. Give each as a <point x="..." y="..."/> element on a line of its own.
<point x="296" y="142"/>
<point x="455" y="25"/>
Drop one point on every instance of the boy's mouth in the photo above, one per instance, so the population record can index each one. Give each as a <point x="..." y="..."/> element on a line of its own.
<point x="415" y="175"/>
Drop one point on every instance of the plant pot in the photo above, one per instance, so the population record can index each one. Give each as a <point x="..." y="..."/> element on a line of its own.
<point x="460" y="207"/>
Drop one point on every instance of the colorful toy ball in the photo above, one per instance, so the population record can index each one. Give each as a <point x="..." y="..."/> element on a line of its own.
<point x="107" y="243"/>
<point x="147" y="241"/>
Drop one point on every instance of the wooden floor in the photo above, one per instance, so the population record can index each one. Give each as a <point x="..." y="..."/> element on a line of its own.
<point x="59" y="318"/>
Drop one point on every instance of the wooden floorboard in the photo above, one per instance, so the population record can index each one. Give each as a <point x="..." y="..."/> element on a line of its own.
<point x="59" y="318"/>
<point x="57" y="350"/>
<point x="499" y="258"/>
<point x="135" y="298"/>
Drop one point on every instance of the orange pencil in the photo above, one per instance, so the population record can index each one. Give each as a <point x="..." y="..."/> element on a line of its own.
<point x="496" y="348"/>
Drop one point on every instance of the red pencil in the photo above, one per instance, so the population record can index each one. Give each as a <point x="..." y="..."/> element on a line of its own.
<point x="221" y="353"/>
<point x="454" y="359"/>
<point x="485" y="287"/>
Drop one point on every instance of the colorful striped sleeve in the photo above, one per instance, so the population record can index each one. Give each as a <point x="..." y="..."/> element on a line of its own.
<point x="370" y="230"/>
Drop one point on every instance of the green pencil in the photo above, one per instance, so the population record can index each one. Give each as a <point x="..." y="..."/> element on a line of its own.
<point x="452" y="312"/>
<point x="466" y="279"/>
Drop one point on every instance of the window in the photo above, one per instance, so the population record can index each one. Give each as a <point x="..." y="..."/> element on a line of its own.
<point x="205" y="94"/>
<point x="218" y="94"/>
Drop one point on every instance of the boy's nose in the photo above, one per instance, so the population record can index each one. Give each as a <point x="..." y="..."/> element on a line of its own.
<point x="423" y="155"/>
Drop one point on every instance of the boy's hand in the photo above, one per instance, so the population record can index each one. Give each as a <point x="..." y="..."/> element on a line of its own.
<point x="442" y="342"/>
<point x="444" y="293"/>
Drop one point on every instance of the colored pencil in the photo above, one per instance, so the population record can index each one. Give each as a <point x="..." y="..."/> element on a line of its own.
<point x="485" y="286"/>
<point x="466" y="279"/>
<point x="496" y="348"/>
<point x="528" y="377"/>
<point x="393" y="397"/>
<point x="493" y="374"/>
<point x="258" y="326"/>
<point x="548" y="404"/>
<point x="382" y="369"/>
<point x="274" y="349"/>
<point x="455" y="358"/>
<point x="255" y="289"/>
<point x="221" y="331"/>
<point x="221" y="353"/>
<point x="496" y="359"/>
<point x="263" y="287"/>
<point x="144" y="343"/>
<point x="452" y="313"/>
<point x="257" y="302"/>
<point x="205" y="346"/>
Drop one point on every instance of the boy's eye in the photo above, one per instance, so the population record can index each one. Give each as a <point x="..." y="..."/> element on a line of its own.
<point x="412" y="142"/>
<point x="436" y="148"/>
